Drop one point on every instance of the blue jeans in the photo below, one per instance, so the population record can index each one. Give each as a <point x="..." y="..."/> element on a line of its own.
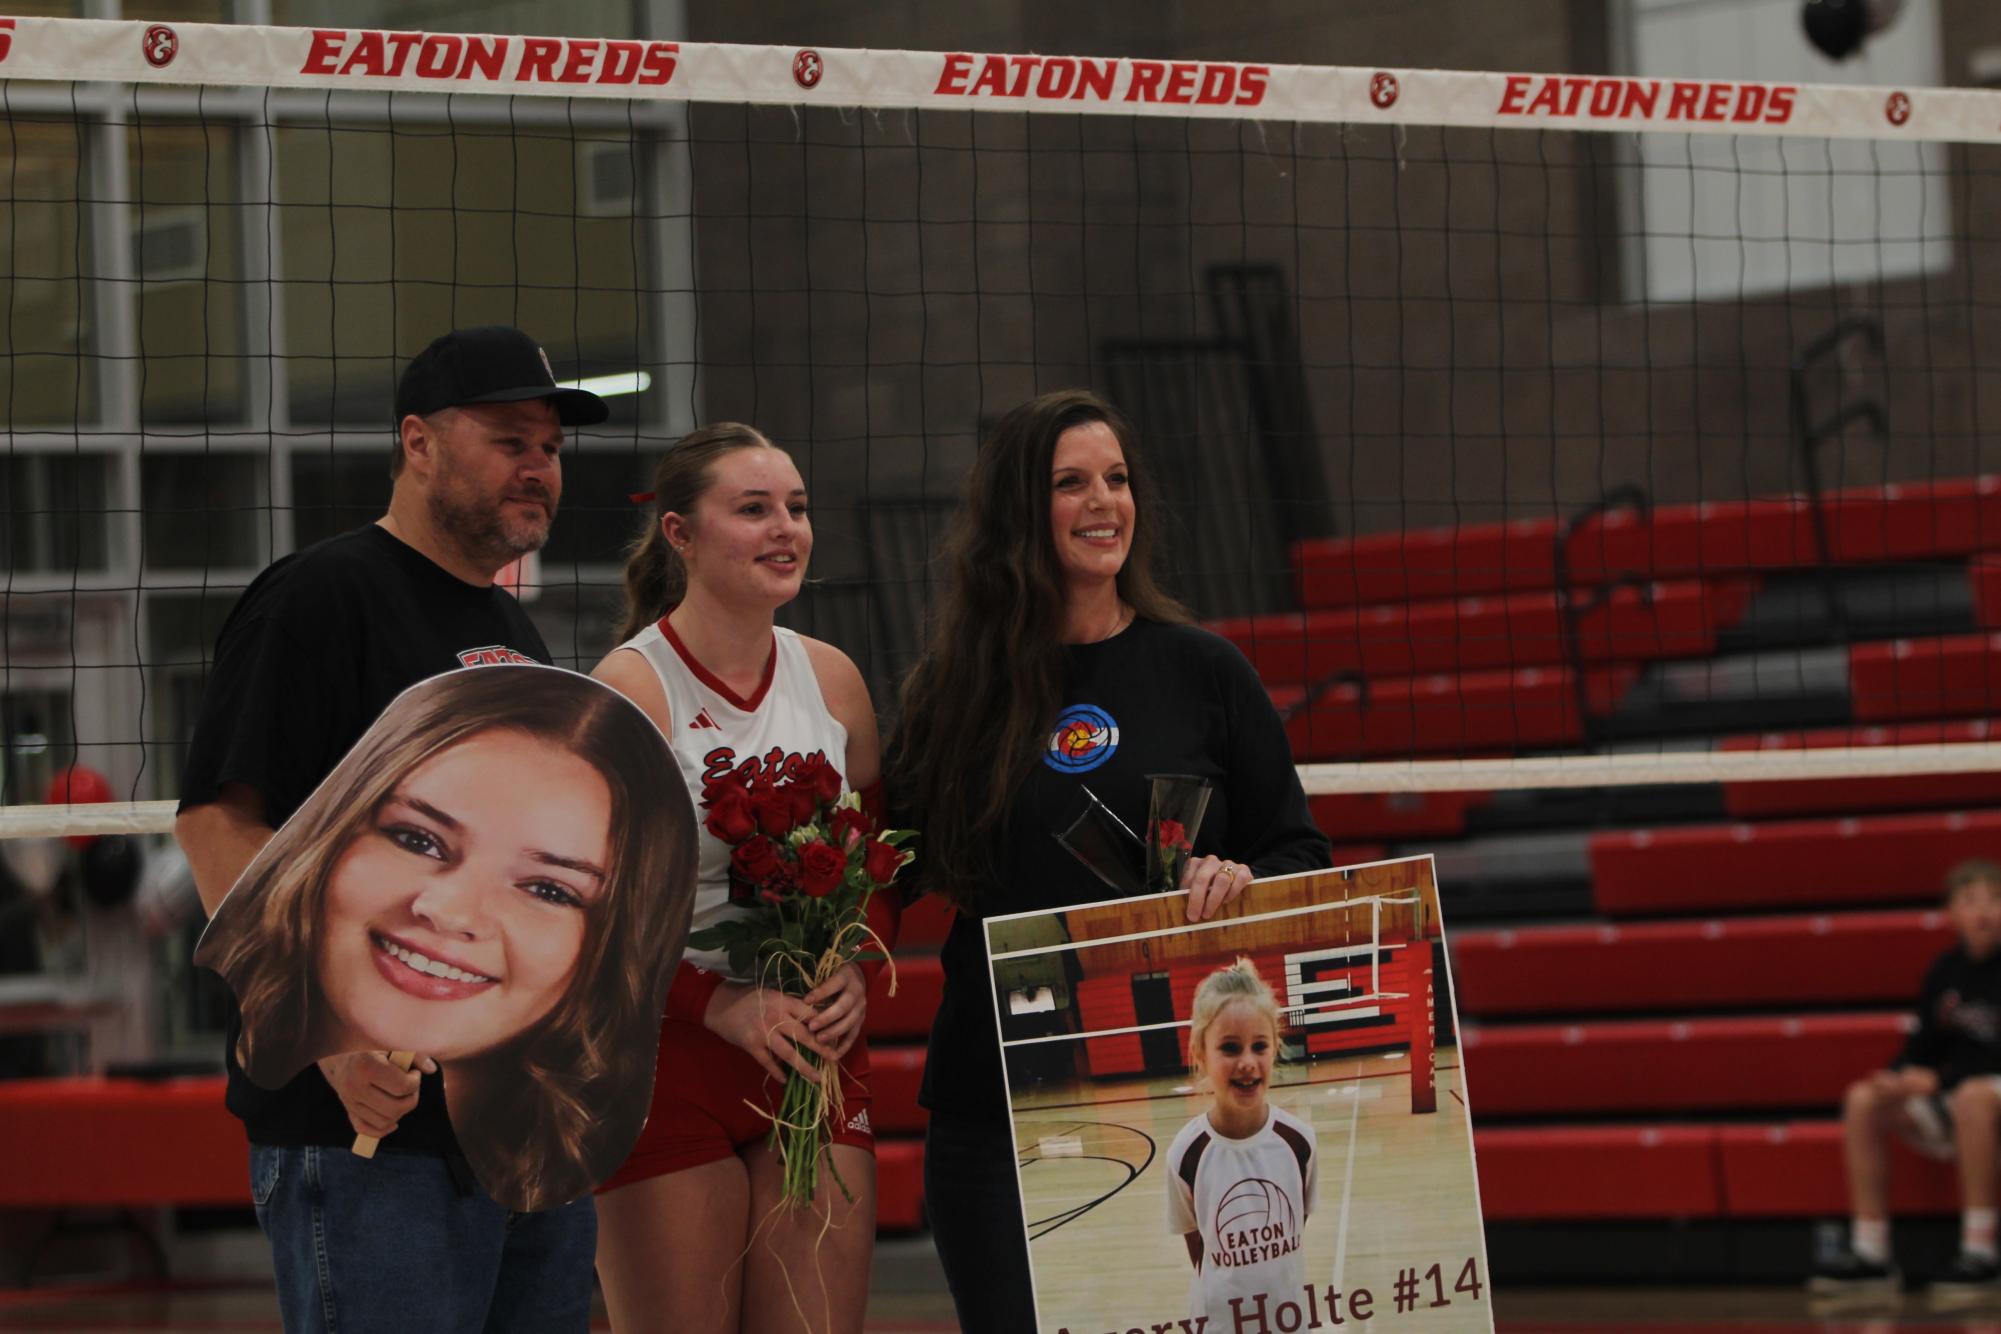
<point x="393" y="1243"/>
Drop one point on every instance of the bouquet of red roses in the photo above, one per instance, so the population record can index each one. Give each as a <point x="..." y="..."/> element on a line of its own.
<point x="805" y="860"/>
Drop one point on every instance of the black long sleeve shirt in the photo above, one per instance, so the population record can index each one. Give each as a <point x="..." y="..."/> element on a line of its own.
<point x="1154" y="699"/>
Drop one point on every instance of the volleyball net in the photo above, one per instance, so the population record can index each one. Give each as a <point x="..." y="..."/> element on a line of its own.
<point x="1348" y="975"/>
<point x="1526" y="431"/>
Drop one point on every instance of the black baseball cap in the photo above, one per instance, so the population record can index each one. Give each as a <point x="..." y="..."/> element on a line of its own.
<point x="493" y="363"/>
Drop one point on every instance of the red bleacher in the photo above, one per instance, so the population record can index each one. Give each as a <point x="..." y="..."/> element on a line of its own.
<point x="1531" y="1173"/>
<point x="1807" y="796"/>
<point x="1793" y="1170"/>
<point x="1471" y="713"/>
<point x="1669" y="620"/>
<point x="1686" y="965"/>
<point x="128" y="1142"/>
<point x="1614" y="1067"/>
<point x="1457" y="635"/>
<point x="1952" y="518"/>
<point x="1788" y="906"/>
<point x="1786" y="864"/>
<point x="1953" y="676"/>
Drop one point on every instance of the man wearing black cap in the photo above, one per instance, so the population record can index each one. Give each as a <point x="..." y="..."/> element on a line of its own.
<point x="314" y="650"/>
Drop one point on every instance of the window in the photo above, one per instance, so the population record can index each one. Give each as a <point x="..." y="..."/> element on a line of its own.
<point x="47" y="375"/>
<point x="1719" y="216"/>
<point x="392" y="236"/>
<point x="204" y="512"/>
<point x="56" y="507"/>
<point x="187" y="259"/>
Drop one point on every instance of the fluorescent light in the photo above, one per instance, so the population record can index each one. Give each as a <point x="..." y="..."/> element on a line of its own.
<point x="611" y="386"/>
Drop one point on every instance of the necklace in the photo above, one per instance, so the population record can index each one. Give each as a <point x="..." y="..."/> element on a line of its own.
<point x="1118" y="624"/>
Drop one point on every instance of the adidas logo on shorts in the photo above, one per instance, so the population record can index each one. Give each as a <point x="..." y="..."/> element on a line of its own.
<point x="859" y="1121"/>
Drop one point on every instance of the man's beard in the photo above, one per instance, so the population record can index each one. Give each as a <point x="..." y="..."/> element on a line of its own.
<point x="486" y="530"/>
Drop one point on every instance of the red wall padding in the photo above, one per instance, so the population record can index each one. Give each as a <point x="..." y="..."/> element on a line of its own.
<point x="1650" y="1066"/>
<point x="1794" y="863"/>
<point x="1746" y="961"/>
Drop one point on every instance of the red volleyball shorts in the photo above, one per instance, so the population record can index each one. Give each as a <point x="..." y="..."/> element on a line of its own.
<point x="700" y="1114"/>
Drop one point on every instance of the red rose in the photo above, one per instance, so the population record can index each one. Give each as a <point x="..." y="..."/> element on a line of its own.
<point x="804" y="804"/>
<point x="821" y="867"/>
<point x="849" y="825"/>
<point x="730" y="818"/>
<point x="1173" y="834"/>
<point x="773" y="810"/>
<point x="726" y="781"/>
<point x="881" y="861"/>
<point x="822" y="778"/>
<point x="755" y="860"/>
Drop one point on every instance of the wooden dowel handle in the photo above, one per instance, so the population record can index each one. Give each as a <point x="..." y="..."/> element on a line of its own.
<point x="365" y="1145"/>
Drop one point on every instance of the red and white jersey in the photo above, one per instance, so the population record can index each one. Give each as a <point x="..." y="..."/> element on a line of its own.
<point x="1249" y="1198"/>
<point x="713" y="730"/>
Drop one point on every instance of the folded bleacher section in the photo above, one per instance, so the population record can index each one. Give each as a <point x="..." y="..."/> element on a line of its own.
<point x="1664" y="990"/>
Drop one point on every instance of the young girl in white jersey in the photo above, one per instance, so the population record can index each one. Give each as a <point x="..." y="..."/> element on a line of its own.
<point x="1241" y="1177"/>
<point x="688" y="1235"/>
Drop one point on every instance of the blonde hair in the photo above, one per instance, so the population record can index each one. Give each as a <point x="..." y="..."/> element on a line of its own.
<point x="1225" y="986"/>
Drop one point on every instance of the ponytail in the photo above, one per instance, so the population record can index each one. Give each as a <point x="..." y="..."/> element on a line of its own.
<point x="655" y="578"/>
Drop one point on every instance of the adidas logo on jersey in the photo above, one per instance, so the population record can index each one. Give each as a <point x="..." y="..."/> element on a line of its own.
<point x="702" y="719"/>
<point x="859" y="1121"/>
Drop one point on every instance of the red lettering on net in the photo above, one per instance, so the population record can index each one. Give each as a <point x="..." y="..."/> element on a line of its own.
<point x="6" y="37"/>
<point x="1145" y="85"/>
<point x="952" y="74"/>
<point x="538" y="60"/>
<point x="993" y="77"/>
<point x="400" y="46"/>
<point x="582" y="57"/>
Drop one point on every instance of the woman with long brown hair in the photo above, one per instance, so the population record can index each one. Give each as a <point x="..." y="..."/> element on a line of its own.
<point x="425" y="897"/>
<point x="692" y="1233"/>
<point x="1057" y="662"/>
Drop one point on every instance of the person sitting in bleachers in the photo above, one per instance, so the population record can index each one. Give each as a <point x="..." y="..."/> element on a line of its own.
<point x="1942" y="1094"/>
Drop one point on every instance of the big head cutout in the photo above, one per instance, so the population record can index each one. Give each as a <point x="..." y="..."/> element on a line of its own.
<point x="499" y="876"/>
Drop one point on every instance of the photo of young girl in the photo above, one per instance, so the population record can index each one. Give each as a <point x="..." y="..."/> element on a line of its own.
<point x="1243" y="1175"/>
<point x="497" y="877"/>
<point x="1284" y="1077"/>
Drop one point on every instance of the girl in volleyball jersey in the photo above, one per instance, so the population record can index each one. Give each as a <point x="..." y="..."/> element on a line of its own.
<point x="1241" y="1177"/>
<point x="691" y="1233"/>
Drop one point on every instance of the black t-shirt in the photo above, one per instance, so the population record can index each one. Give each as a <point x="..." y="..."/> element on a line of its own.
<point x="311" y="654"/>
<point x="1959" y="1019"/>
<point x="1155" y="699"/>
